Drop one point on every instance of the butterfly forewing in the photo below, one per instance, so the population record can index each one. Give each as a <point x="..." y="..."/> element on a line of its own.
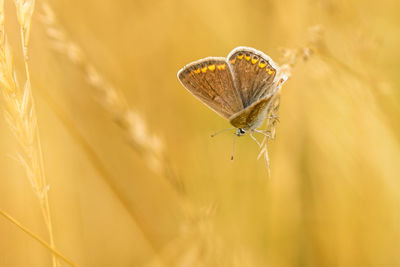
<point x="211" y="81"/>
<point x="253" y="73"/>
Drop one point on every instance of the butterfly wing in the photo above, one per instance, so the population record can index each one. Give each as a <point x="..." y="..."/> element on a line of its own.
<point x="252" y="116"/>
<point x="253" y="74"/>
<point x="210" y="80"/>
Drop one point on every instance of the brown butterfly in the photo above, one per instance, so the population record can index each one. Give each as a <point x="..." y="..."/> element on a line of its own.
<point x="240" y="88"/>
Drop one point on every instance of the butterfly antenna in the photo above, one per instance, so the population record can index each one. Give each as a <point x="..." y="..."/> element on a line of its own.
<point x="233" y="149"/>
<point x="221" y="131"/>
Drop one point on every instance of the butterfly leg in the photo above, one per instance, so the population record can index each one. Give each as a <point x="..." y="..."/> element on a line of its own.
<point x="266" y="133"/>
<point x="273" y="117"/>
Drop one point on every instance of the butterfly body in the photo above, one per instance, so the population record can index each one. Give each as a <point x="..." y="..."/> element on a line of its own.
<point x="240" y="88"/>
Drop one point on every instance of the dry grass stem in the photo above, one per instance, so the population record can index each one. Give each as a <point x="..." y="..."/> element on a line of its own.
<point x="290" y="57"/>
<point x="97" y="163"/>
<point x="37" y="238"/>
<point x="20" y="111"/>
<point x="113" y="100"/>
<point x="197" y="244"/>
<point x="137" y="132"/>
<point x="333" y="163"/>
<point x="127" y="119"/>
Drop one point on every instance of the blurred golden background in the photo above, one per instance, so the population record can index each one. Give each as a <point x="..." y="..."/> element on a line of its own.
<point x="134" y="178"/>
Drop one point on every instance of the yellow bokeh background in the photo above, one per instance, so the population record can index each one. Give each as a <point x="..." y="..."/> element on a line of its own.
<point x="333" y="197"/>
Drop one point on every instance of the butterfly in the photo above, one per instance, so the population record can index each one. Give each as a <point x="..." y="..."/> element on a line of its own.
<point x="241" y="87"/>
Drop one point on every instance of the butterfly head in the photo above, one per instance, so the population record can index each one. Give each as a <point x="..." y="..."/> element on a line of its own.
<point x="240" y="132"/>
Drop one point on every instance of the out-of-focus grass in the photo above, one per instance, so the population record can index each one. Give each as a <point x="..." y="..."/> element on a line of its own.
<point x="333" y="195"/>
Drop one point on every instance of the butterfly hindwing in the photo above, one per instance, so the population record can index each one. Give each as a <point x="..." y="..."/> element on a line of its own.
<point x="210" y="80"/>
<point x="253" y="73"/>
<point x="252" y="116"/>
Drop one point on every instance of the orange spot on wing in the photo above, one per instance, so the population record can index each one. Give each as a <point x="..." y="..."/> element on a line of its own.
<point x="262" y="65"/>
<point x="254" y="60"/>
<point x="269" y="71"/>
<point x="221" y="67"/>
<point x="211" y="67"/>
<point x="197" y="71"/>
<point x="204" y="70"/>
<point x="240" y="57"/>
<point x="247" y="58"/>
<point x="233" y="61"/>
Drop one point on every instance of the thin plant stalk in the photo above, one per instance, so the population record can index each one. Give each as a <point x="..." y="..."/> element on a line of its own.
<point x="20" y="111"/>
<point x="36" y="237"/>
<point x="114" y="102"/>
<point x="24" y="32"/>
